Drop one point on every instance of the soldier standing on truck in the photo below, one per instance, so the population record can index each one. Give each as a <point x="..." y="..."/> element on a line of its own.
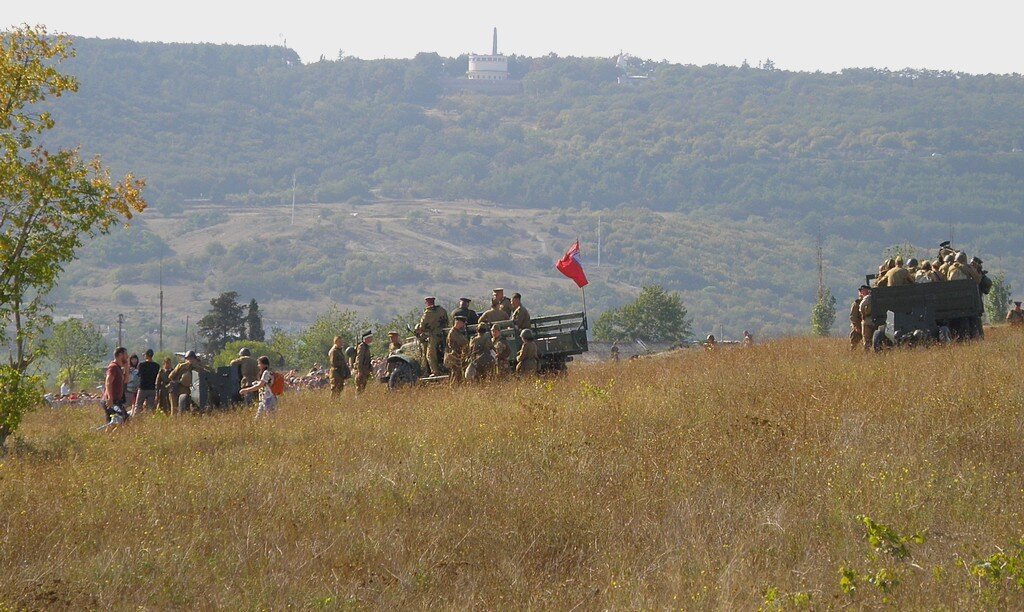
<point x="856" y="339"/>
<point x="867" y="330"/>
<point x="364" y="364"/>
<point x="495" y="314"/>
<point x="339" y="367"/>
<point x="520" y="315"/>
<point x="1016" y="316"/>
<point x="455" y="355"/>
<point x="465" y="311"/>
<point x="897" y="276"/>
<point x="431" y="328"/>
<point x="505" y="304"/>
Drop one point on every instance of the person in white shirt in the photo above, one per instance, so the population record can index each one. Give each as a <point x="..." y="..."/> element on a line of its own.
<point x="268" y="401"/>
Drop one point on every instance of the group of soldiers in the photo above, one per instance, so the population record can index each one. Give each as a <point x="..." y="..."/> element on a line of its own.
<point x="449" y="350"/>
<point x="949" y="265"/>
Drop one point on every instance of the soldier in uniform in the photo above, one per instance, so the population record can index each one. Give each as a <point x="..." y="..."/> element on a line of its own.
<point x="947" y="261"/>
<point x="248" y="368"/>
<point x="465" y="311"/>
<point x="1016" y="316"/>
<point x="431" y="330"/>
<point x="502" y="353"/>
<point x="520" y="315"/>
<point x="363" y="360"/>
<point x="495" y="314"/>
<point x="339" y="367"/>
<point x="867" y="328"/>
<point x="394" y="341"/>
<point x="182" y="375"/>
<point x="505" y="304"/>
<point x="944" y="251"/>
<point x="897" y="275"/>
<point x="528" y="359"/>
<point x="615" y="351"/>
<point x="856" y="339"/>
<point x="455" y="356"/>
<point x="710" y="343"/>
<point x="959" y="270"/>
<point x="480" y="347"/>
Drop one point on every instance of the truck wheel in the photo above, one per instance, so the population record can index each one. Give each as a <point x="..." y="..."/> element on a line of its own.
<point x="401" y="376"/>
<point x="945" y="336"/>
<point x="879" y="342"/>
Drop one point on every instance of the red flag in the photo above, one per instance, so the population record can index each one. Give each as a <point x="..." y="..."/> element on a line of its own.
<point x="570" y="265"/>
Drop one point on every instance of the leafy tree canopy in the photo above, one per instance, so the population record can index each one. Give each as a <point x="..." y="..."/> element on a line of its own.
<point x="655" y="316"/>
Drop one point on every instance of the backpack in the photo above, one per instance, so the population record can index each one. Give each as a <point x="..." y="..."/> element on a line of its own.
<point x="277" y="383"/>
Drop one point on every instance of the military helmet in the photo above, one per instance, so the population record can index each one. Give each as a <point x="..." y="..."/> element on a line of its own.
<point x="350" y="352"/>
<point x="244" y="352"/>
<point x="912" y="263"/>
<point x="961" y="257"/>
<point x="526" y="334"/>
<point x="949" y="258"/>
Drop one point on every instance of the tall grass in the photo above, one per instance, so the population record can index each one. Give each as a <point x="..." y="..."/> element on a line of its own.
<point x="691" y="481"/>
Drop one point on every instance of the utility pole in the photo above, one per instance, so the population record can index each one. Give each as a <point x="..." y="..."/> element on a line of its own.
<point x="160" y="342"/>
<point x="293" y="198"/>
<point x="120" y="325"/>
<point x="599" y="241"/>
<point x="821" y="268"/>
<point x="185" y="348"/>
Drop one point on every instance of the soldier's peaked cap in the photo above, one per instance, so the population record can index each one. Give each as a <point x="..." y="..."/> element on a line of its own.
<point x="1017" y="303"/>
<point x="465" y="300"/>
<point x="460" y="318"/>
<point x="498" y="290"/>
<point x="977" y="260"/>
<point x="865" y="288"/>
<point x="367" y="334"/>
<point x="944" y="243"/>
<point x="392" y="333"/>
<point x="430" y="298"/>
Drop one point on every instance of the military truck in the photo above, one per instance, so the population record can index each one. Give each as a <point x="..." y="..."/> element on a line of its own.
<point x="558" y="337"/>
<point x="924" y="313"/>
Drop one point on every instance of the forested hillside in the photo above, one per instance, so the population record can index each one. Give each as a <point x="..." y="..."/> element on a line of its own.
<point x="749" y="163"/>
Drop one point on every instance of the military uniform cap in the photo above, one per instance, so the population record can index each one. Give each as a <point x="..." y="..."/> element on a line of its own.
<point x="465" y="300"/>
<point x="393" y="333"/>
<point x="460" y="318"/>
<point x="865" y="288"/>
<point x="367" y="334"/>
<point x="977" y="260"/>
<point x="429" y="298"/>
<point x="498" y="290"/>
<point x="944" y="244"/>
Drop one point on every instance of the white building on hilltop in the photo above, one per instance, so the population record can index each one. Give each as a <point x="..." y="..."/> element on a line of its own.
<point x="493" y="67"/>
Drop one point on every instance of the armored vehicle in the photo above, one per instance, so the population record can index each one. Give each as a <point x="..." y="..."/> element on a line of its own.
<point x="558" y="338"/>
<point x="923" y="313"/>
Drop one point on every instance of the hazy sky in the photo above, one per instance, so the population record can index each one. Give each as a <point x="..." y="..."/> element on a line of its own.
<point x="980" y="36"/>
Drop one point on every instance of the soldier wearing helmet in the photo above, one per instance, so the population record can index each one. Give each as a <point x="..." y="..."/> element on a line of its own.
<point x="1016" y="316"/>
<point x="897" y="276"/>
<point x="249" y="370"/>
<point x="528" y="359"/>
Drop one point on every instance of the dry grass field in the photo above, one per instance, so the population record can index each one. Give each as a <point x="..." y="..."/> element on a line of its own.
<point x="731" y="480"/>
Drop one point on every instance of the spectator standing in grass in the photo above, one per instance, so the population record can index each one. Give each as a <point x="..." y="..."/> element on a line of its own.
<point x="113" y="386"/>
<point x="148" y="372"/>
<point x="163" y="387"/>
<point x="132" y="381"/>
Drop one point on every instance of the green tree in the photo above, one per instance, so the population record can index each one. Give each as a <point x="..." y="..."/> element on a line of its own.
<point x="823" y="316"/>
<point x="254" y="322"/>
<point x="77" y="348"/>
<point x="655" y="316"/>
<point x="50" y="202"/>
<point x="997" y="302"/>
<point x="314" y="342"/>
<point x="224" y="323"/>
